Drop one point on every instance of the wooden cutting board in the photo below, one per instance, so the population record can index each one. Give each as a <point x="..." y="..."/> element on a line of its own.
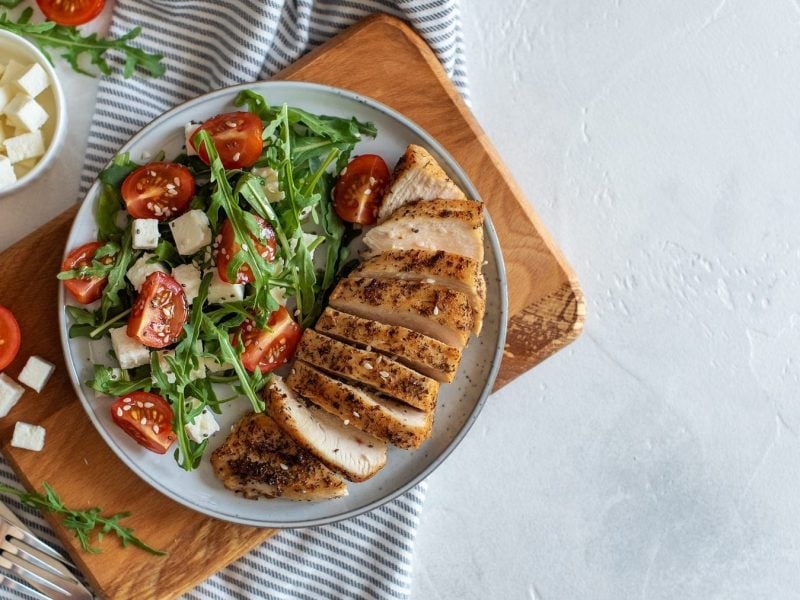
<point x="545" y="302"/>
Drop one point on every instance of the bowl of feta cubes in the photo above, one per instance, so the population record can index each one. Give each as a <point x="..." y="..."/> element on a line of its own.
<point x="32" y="114"/>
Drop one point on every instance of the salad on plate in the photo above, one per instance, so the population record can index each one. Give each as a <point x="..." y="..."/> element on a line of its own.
<point x="207" y="266"/>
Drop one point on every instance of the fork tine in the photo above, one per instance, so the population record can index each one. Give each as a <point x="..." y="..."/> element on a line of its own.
<point x="34" y="542"/>
<point x="30" y="555"/>
<point x="16" y="586"/>
<point x="34" y="577"/>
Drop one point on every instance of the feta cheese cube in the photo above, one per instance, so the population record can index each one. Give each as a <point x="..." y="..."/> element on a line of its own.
<point x="130" y="353"/>
<point x="12" y="72"/>
<point x="145" y="234"/>
<point x="25" y="113"/>
<point x="198" y="373"/>
<point x="36" y="373"/>
<point x="189" y="278"/>
<point x="34" y="80"/>
<point x="191" y="231"/>
<point x="10" y="393"/>
<point x="220" y="291"/>
<point x="27" y="145"/>
<point x="28" y="437"/>
<point x="141" y="269"/>
<point x="7" y="174"/>
<point x="6" y="94"/>
<point x="188" y="131"/>
<point x="202" y="426"/>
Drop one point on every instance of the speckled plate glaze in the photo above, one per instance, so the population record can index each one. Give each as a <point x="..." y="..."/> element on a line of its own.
<point x="459" y="402"/>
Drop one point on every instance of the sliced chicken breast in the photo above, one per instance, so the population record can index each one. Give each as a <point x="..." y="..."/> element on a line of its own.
<point x="394" y="422"/>
<point x="433" y="310"/>
<point x="417" y="176"/>
<point x="431" y="266"/>
<point x="422" y="353"/>
<point x="374" y="370"/>
<point x="454" y="226"/>
<point x="353" y="453"/>
<point x="259" y="459"/>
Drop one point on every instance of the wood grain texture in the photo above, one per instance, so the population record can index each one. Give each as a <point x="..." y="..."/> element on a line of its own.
<point x="545" y="302"/>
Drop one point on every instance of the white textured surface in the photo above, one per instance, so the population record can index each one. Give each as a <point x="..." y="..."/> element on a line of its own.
<point x="657" y="457"/>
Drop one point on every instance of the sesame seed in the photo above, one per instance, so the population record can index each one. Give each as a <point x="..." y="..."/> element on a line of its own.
<point x="356" y="415"/>
<point x="119" y="412"/>
<point x="127" y="400"/>
<point x="369" y="348"/>
<point x="230" y="124"/>
<point x="151" y="173"/>
<point x="177" y="181"/>
<point x="143" y="421"/>
<point x="347" y="421"/>
<point x="156" y="428"/>
<point x="126" y="407"/>
<point x="436" y="310"/>
<point x="140" y="405"/>
<point x="384" y="374"/>
<point x="148" y="405"/>
<point x="367" y="365"/>
<point x="284" y="467"/>
<point x="236" y="156"/>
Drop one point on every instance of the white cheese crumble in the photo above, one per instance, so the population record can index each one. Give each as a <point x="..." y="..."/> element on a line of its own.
<point x="36" y="373"/>
<point x="28" y="437"/>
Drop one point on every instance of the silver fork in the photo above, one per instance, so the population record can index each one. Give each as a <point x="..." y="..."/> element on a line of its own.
<point x="42" y="569"/>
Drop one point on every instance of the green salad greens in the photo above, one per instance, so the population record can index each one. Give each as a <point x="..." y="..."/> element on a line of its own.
<point x="303" y="153"/>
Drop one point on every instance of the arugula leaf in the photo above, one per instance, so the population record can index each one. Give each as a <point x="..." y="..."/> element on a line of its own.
<point x="73" y="46"/>
<point x="82" y="521"/>
<point x="166" y="252"/>
<point x="116" y="277"/>
<point x="121" y="166"/>
<point x="107" y="380"/>
<point x="109" y="203"/>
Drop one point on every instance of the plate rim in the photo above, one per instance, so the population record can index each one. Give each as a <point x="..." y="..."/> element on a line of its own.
<point x="496" y="359"/>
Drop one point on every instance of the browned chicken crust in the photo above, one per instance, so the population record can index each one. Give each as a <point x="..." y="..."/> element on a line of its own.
<point x="372" y="369"/>
<point x="422" y="353"/>
<point x="259" y="460"/>
<point x="394" y="422"/>
<point x="433" y="310"/>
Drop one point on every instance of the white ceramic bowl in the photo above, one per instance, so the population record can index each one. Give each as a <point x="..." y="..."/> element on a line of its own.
<point x="14" y="47"/>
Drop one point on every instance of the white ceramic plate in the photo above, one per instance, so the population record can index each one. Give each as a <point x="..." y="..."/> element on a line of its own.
<point x="459" y="402"/>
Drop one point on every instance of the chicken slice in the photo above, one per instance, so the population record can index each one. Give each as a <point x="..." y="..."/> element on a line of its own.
<point x="259" y="459"/>
<point x="374" y="370"/>
<point x="394" y="422"/>
<point x="352" y="453"/>
<point x="422" y="353"/>
<point x="431" y="266"/>
<point x="417" y="176"/>
<point x="451" y="225"/>
<point x="433" y="310"/>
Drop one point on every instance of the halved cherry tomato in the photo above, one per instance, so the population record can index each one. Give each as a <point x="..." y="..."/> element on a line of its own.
<point x="147" y="418"/>
<point x="237" y="138"/>
<point x="71" y="12"/>
<point x="267" y="349"/>
<point x="159" y="312"/>
<point x="228" y="248"/>
<point x="10" y="337"/>
<point x="85" y="289"/>
<point x="158" y="190"/>
<point x="360" y="189"/>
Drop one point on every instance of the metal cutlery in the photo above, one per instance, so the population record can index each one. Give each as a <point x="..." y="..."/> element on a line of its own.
<point x="38" y="569"/>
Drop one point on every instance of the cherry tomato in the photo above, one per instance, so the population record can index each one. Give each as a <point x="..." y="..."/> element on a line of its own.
<point x="10" y="337"/>
<point x="158" y="190"/>
<point x="237" y="138"/>
<point x="267" y="349"/>
<point x="360" y="189"/>
<point x="85" y="289"/>
<point x="159" y="312"/>
<point x="228" y="248"/>
<point x="71" y="12"/>
<point x="147" y="418"/>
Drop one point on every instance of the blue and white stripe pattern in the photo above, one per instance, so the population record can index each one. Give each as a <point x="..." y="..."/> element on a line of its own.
<point x="209" y="44"/>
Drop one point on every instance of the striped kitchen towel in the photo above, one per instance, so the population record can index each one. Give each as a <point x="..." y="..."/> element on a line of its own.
<point x="209" y="44"/>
